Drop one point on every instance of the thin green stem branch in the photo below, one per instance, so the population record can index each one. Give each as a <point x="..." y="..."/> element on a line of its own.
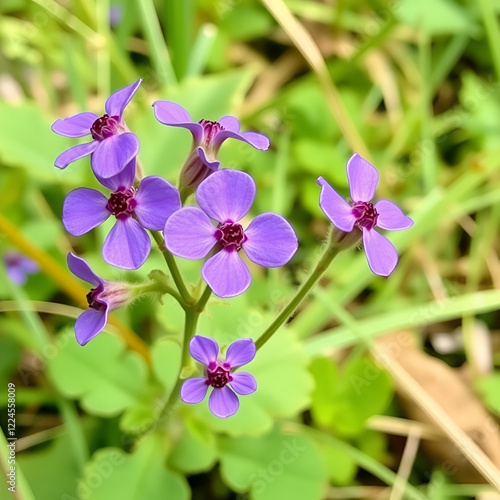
<point x="332" y="249"/>
<point x="174" y="270"/>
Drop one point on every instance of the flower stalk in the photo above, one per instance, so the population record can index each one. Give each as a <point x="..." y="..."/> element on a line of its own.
<point x="332" y="249"/>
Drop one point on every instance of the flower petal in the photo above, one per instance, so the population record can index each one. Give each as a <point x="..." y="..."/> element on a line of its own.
<point x="113" y="154"/>
<point x="80" y="268"/>
<point x="189" y="233"/>
<point x="16" y="274"/>
<point x="363" y="178"/>
<point x="258" y="141"/>
<point x="75" y="153"/>
<point x="223" y="402"/>
<point x="226" y="274"/>
<point x="240" y="352"/>
<point x="75" y="126"/>
<point x="335" y="207"/>
<point x="226" y="195"/>
<point x="243" y="383"/>
<point x="127" y="245"/>
<point x="271" y="240"/>
<point x="83" y="210"/>
<point x="211" y="164"/>
<point x="122" y="180"/>
<point x="230" y="123"/>
<point x="194" y="390"/>
<point x="380" y="252"/>
<point x="156" y="201"/>
<point x="89" y="324"/>
<point x="391" y="217"/>
<point x="174" y="115"/>
<point x="204" y="349"/>
<point x="118" y="101"/>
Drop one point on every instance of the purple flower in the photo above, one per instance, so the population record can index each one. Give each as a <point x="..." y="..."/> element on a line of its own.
<point x="18" y="267"/>
<point x="105" y="297"/>
<point x="364" y="215"/>
<point x="113" y="145"/>
<point x="207" y="139"/>
<point x="128" y="244"/>
<point x="226" y="196"/>
<point x="223" y="402"/>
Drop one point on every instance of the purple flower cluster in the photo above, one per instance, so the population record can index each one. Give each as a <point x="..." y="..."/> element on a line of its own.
<point x="215" y="229"/>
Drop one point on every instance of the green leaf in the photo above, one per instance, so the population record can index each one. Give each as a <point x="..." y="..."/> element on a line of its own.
<point x="36" y="155"/>
<point x="112" y="473"/>
<point x="40" y="465"/>
<point x="346" y="401"/>
<point x="340" y="466"/>
<point x="104" y="375"/>
<point x="489" y="389"/>
<point x="166" y="359"/>
<point x="436" y="17"/>
<point x="274" y="465"/>
<point x="326" y="390"/>
<point x="196" y="450"/>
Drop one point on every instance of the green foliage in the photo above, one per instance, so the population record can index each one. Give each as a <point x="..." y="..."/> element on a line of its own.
<point x="344" y="401"/>
<point x="276" y="465"/>
<point x="113" y="473"/>
<point x="105" y="376"/>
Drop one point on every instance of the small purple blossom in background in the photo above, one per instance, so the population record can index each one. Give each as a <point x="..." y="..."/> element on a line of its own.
<point x="113" y="146"/>
<point x="18" y="267"/>
<point x="105" y="297"/>
<point x="127" y="245"/>
<point x="208" y="137"/>
<point x="223" y="402"/>
<point x="364" y="215"/>
<point x="227" y="196"/>
<point x="115" y="15"/>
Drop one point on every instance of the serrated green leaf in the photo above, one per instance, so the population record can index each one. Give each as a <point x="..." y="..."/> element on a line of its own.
<point x="196" y="450"/>
<point x="112" y="473"/>
<point x="166" y="359"/>
<point x="274" y="465"/>
<point x="104" y="375"/>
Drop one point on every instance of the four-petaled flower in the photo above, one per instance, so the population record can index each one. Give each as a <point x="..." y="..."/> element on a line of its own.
<point x="18" y="267"/>
<point x="128" y="244"/>
<point x="105" y="297"/>
<point x="364" y="215"/>
<point x="223" y="402"/>
<point x="207" y="139"/>
<point x="227" y="196"/>
<point x="113" y="146"/>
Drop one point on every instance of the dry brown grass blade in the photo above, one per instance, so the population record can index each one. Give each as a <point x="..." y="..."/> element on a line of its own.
<point x="308" y="48"/>
<point x="436" y="414"/>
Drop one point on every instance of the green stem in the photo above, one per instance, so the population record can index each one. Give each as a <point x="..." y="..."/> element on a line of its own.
<point x="174" y="270"/>
<point x="332" y="249"/>
<point x="192" y="315"/>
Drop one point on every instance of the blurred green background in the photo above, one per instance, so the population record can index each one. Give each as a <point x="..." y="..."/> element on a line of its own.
<point x="413" y="87"/>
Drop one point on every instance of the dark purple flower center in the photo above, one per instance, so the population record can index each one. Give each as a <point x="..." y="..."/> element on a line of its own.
<point x="93" y="301"/>
<point x="219" y="377"/>
<point x="105" y="127"/>
<point x="231" y="235"/>
<point x="122" y="203"/>
<point x="365" y="214"/>
<point x="210" y="129"/>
